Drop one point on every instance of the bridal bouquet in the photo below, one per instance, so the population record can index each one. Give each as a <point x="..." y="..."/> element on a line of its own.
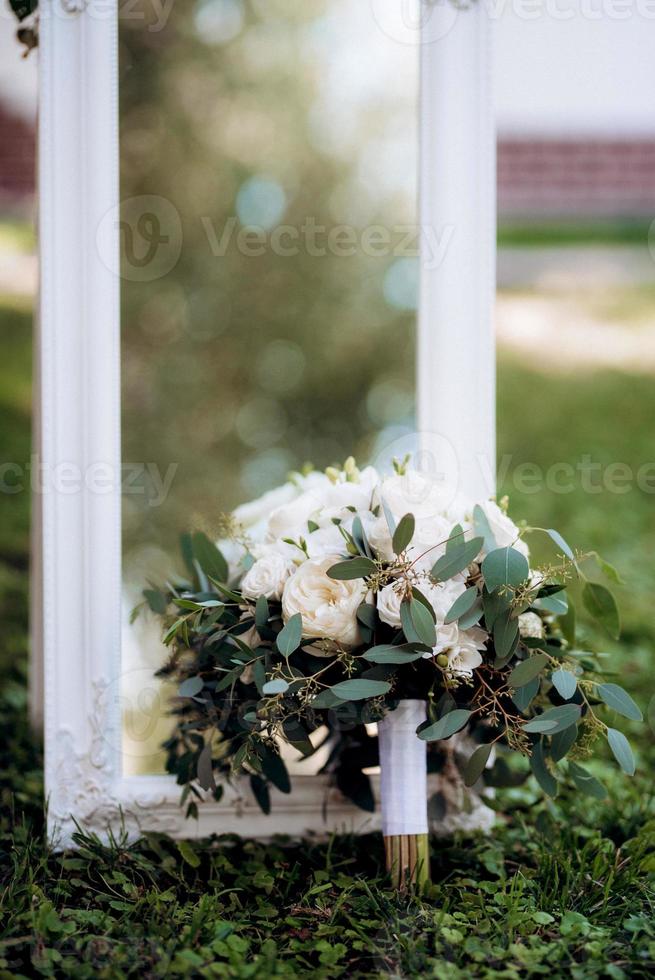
<point x="346" y="598"/>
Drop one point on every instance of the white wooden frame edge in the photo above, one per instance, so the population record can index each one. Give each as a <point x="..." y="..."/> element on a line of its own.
<point x="77" y="563"/>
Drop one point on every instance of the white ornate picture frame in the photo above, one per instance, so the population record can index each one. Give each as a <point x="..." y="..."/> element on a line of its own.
<point x="76" y="604"/>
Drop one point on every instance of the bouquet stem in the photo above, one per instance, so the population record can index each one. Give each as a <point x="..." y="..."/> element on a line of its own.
<point x="403" y="795"/>
<point x="408" y="860"/>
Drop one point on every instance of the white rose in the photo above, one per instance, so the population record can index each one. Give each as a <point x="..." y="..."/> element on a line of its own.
<point x="531" y="625"/>
<point x="379" y="537"/>
<point x="447" y="636"/>
<point x="328" y="606"/>
<point x="256" y="511"/>
<point x="504" y="530"/>
<point x="320" y="499"/>
<point x="326" y="541"/>
<point x="234" y="553"/>
<point x="389" y="600"/>
<point x="290" y="520"/>
<point x="267" y="576"/>
<point x="414" y="493"/>
<point x="347" y="492"/>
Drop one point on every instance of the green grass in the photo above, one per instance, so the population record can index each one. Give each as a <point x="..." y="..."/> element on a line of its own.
<point x="532" y="234"/>
<point x="561" y="888"/>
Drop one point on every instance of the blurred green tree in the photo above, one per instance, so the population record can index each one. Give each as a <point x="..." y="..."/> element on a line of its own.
<point x="239" y="367"/>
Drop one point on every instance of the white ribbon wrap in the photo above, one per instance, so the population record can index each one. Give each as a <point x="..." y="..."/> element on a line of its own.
<point x="403" y="771"/>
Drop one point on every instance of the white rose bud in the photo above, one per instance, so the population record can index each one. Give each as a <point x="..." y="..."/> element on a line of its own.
<point x="328" y="606"/>
<point x="503" y="528"/>
<point x="267" y="576"/>
<point x="531" y="625"/>
<point x="389" y="600"/>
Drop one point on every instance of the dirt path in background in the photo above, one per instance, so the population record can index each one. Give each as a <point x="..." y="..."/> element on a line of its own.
<point x="559" y="332"/>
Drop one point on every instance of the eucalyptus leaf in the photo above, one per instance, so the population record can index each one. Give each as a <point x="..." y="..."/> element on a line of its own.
<point x="407" y="625"/>
<point x="473" y="616"/>
<point x="275" y="769"/>
<point x="525" y="695"/>
<point x="259" y="675"/>
<point x="527" y="670"/>
<point x="352" y="568"/>
<point x="366" y="615"/>
<point x="422" y="622"/>
<point x="403" y="534"/>
<point x="359" y="537"/>
<point x="389" y="518"/>
<point x="586" y="783"/>
<point x="621" y="750"/>
<point x="326" y="699"/>
<point x="453" y="722"/>
<point x="476" y="764"/>
<point x="358" y="689"/>
<point x="556" y="604"/>
<point x="504" y="567"/>
<point x="455" y="538"/>
<point x="190" y="687"/>
<point x="261" y="613"/>
<point x="565" y="683"/>
<point x="420" y="597"/>
<point x="482" y="527"/>
<point x="554" y="720"/>
<point x="289" y="637"/>
<point x="205" y="770"/>
<point x="462" y="605"/>
<point x="403" y="653"/>
<point x="562" y="741"/>
<point x="157" y="601"/>
<point x="506" y="636"/>
<point x="456" y="559"/>
<point x="276" y="686"/>
<point x="560" y="542"/>
<point x="567" y="624"/>
<point x="609" y="571"/>
<point x="540" y="770"/>
<point x="209" y="557"/>
<point x="261" y="793"/>
<point x="618" y="699"/>
<point x="493" y="605"/>
<point x="600" y="603"/>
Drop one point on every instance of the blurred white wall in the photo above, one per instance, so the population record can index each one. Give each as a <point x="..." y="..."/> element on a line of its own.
<point x="575" y="67"/>
<point x="563" y="67"/>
